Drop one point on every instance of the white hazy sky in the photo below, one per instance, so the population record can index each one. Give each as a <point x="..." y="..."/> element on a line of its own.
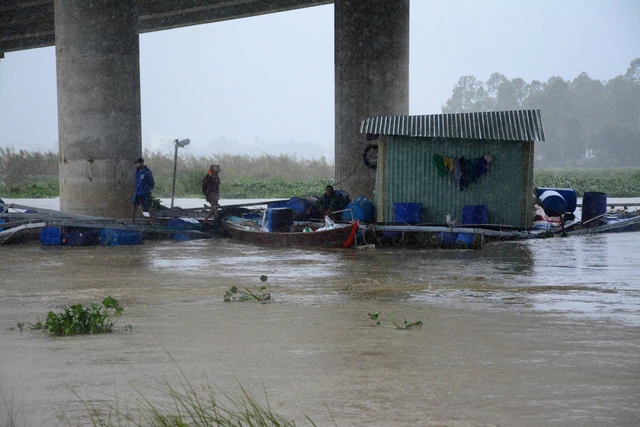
<point x="266" y="84"/>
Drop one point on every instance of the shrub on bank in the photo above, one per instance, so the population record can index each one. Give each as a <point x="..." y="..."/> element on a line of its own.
<point x="266" y="176"/>
<point x="622" y="182"/>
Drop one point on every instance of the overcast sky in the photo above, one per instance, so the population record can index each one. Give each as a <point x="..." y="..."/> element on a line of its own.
<point x="266" y="84"/>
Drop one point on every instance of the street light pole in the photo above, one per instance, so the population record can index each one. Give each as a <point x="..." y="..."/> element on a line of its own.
<point x="176" y="144"/>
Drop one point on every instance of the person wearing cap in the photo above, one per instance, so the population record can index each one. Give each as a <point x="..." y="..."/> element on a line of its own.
<point x="143" y="186"/>
<point x="330" y="202"/>
<point x="211" y="189"/>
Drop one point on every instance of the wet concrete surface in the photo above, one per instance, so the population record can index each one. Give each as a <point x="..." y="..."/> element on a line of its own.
<point x="517" y="334"/>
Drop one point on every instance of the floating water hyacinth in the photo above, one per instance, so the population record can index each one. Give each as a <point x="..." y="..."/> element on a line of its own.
<point x="404" y="325"/>
<point x="260" y="293"/>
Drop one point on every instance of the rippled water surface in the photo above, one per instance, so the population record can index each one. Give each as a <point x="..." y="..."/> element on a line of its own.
<point x="539" y="332"/>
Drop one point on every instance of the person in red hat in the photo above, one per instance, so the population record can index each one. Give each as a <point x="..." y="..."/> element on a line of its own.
<point x="211" y="189"/>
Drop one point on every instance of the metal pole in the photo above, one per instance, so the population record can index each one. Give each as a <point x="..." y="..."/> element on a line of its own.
<point x="175" y="165"/>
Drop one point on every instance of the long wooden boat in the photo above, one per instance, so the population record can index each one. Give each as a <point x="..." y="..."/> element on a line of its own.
<point x="341" y="235"/>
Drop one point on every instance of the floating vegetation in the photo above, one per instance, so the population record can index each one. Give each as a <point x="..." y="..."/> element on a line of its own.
<point x="260" y="293"/>
<point x="79" y="320"/>
<point x="404" y="325"/>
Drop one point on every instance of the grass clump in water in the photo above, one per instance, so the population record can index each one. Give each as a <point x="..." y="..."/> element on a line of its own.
<point x="185" y="407"/>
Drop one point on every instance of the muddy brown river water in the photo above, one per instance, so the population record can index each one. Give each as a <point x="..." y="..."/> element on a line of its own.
<point x="527" y="333"/>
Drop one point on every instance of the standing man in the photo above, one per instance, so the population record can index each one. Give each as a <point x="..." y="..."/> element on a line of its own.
<point x="143" y="186"/>
<point x="211" y="189"/>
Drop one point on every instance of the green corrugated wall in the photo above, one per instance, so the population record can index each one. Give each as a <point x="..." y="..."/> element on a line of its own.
<point x="406" y="173"/>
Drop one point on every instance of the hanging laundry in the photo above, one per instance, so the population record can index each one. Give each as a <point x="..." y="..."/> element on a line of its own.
<point x="463" y="171"/>
<point x="448" y="163"/>
<point x="438" y="162"/>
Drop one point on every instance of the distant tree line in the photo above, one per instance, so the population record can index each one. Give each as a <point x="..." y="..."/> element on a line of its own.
<point x="587" y="122"/>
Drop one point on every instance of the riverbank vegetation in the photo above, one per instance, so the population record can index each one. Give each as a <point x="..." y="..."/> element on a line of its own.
<point x="26" y="174"/>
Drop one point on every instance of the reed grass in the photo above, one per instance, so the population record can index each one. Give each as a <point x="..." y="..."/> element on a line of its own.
<point x="35" y="175"/>
<point x="185" y="406"/>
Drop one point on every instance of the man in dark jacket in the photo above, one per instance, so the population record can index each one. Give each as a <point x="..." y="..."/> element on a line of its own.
<point x="330" y="202"/>
<point x="143" y="186"/>
<point x="211" y="189"/>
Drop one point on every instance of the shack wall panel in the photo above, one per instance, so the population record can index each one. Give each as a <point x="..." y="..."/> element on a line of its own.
<point x="410" y="175"/>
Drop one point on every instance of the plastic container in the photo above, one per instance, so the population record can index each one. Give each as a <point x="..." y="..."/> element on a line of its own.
<point x="409" y="213"/>
<point x="180" y="237"/>
<point x="300" y="206"/>
<point x="278" y="204"/>
<point x="113" y="237"/>
<point x="448" y="238"/>
<point x="77" y="236"/>
<point x="184" y="224"/>
<point x="475" y="214"/>
<point x="552" y="203"/>
<point x="594" y="204"/>
<point x="50" y="236"/>
<point x="278" y="219"/>
<point x="569" y="194"/>
<point x="1" y="220"/>
<point x="464" y="239"/>
<point x="345" y="196"/>
<point x="362" y="209"/>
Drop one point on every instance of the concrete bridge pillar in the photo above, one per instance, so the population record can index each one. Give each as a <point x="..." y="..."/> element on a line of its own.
<point x="371" y="79"/>
<point x="99" y="125"/>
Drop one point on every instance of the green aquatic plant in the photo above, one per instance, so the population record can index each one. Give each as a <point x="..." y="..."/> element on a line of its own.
<point x="260" y="293"/>
<point x="404" y="325"/>
<point x="80" y="320"/>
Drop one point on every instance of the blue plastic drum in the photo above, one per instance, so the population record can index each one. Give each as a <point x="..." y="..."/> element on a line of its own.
<point x="362" y="209"/>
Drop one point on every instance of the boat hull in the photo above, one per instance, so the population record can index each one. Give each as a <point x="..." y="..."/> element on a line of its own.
<point x="332" y="238"/>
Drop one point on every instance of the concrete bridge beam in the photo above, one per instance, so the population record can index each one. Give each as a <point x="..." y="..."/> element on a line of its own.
<point x="371" y="79"/>
<point x="99" y="120"/>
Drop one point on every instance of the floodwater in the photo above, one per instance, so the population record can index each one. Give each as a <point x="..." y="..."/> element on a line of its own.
<point x="526" y="333"/>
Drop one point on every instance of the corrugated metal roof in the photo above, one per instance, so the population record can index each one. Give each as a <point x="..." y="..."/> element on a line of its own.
<point x="517" y="125"/>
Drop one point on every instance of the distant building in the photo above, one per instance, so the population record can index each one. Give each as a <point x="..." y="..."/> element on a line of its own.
<point x="447" y="161"/>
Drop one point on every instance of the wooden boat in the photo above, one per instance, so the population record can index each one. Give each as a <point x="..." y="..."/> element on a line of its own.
<point x="341" y="235"/>
<point x="611" y="222"/>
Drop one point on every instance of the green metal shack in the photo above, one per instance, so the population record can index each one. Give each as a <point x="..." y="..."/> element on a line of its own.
<point x="448" y="161"/>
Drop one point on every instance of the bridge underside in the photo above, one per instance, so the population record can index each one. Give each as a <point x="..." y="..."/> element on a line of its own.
<point x="98" y="78"/>
<point x="27" y="24"/>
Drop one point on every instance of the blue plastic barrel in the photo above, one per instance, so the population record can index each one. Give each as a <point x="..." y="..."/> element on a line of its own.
<point x="184" y="224"/>
<point x="278" y="204"/>
<point x="569" y="194"/>
<point x="345" y="196"/>
<point x="113" y="237"/>
<point x="475" y="214"/>
<point x="300" y="206"/>
<point x="362" y="209"/>
<point x="409" y="213"/>
<point x="464" y="239"/>
<point x="1" y="220"/>
<point x="50" y="236"/>
<point x="448" y="238"/>
<point x="80" y="236"/>
<point x="278" y="219"/>
<point x="552" y="203"/>
<point x="594" y="204"/>
<point x="180" y="237"/>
